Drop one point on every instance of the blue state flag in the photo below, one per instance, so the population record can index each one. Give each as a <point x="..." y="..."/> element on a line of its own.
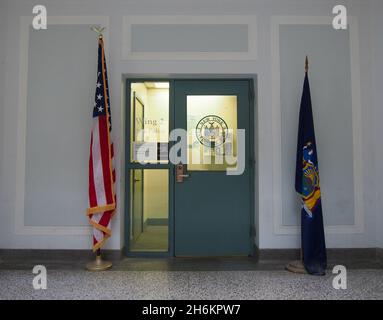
<point x="307" y="184"/>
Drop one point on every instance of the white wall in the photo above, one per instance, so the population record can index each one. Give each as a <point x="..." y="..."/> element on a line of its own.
<point x="377" y="40"/>
<point x="262" y="66"/>
<point x="157" y="109"/>
<point x="330" y="82"/>
<point x="2" y="78"/>
<point x="56" y="171"/>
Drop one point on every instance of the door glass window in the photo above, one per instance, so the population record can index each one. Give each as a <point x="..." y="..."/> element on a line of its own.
<point x="149" y="203"/>
<point x="149" y="122"/>
<point x="211" y="132"/>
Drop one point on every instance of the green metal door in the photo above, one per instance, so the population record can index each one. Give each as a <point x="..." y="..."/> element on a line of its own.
<point x="213" y="209"/>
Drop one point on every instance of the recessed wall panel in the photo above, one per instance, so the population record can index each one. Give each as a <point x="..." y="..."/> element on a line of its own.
<point x="330" y="81"/>
<point x="61" y="82"/>
<point x="189" y="38"/>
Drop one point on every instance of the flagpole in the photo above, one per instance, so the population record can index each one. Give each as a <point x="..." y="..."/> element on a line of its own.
<point x="297" y="266"/>
<point x="98" y="264"/>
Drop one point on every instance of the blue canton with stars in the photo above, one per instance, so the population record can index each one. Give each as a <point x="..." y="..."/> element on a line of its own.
<point x="99" y="103"/>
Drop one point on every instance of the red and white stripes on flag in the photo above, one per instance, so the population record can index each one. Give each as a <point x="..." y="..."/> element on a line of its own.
<point x="102" y="175"/>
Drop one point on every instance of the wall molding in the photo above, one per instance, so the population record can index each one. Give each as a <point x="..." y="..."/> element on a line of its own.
<point x="358" y="226"/>
<point x="25" y="23"/>
<point x="129" y="20"/>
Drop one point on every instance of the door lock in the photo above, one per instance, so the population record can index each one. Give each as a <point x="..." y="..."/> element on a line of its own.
<point x="180" y="173"/>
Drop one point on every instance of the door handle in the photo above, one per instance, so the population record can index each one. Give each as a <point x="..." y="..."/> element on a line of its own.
<point x="180" y="173"/>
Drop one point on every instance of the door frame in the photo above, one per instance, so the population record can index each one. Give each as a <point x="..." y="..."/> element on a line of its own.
<point x="135" y="97"/>
<point x="129" y="166"/>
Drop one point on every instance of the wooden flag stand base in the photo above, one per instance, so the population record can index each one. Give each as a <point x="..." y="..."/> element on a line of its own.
<point x="296" y="267"/>
<point x="98" y="264"/>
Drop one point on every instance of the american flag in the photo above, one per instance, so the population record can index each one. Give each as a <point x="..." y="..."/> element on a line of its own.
<point x="102" y="175"/>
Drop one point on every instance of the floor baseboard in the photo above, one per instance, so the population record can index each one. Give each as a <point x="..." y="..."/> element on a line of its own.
<point x="261" y="255"/>
<point x="333" y="254"/>
<point x="57" y="255"/>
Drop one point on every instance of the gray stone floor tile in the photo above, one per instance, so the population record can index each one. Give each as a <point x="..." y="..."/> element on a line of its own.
<point x="189" y="285"/>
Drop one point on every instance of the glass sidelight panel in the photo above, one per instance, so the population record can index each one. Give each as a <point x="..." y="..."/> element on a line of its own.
<point x="211" y="132"/>
<point x="149" y="122"/>
<point x="149" y="206"/>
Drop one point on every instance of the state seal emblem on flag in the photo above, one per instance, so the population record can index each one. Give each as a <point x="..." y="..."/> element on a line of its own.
<point x="310" y="182"/>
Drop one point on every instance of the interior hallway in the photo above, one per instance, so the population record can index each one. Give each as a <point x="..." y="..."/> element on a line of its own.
<point x="154" y="238"/>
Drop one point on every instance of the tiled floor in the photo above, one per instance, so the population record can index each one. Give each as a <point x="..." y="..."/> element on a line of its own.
<point x="256" y="284"/>
<point x="184" y="278"/>
<point x="154" y="238"/>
